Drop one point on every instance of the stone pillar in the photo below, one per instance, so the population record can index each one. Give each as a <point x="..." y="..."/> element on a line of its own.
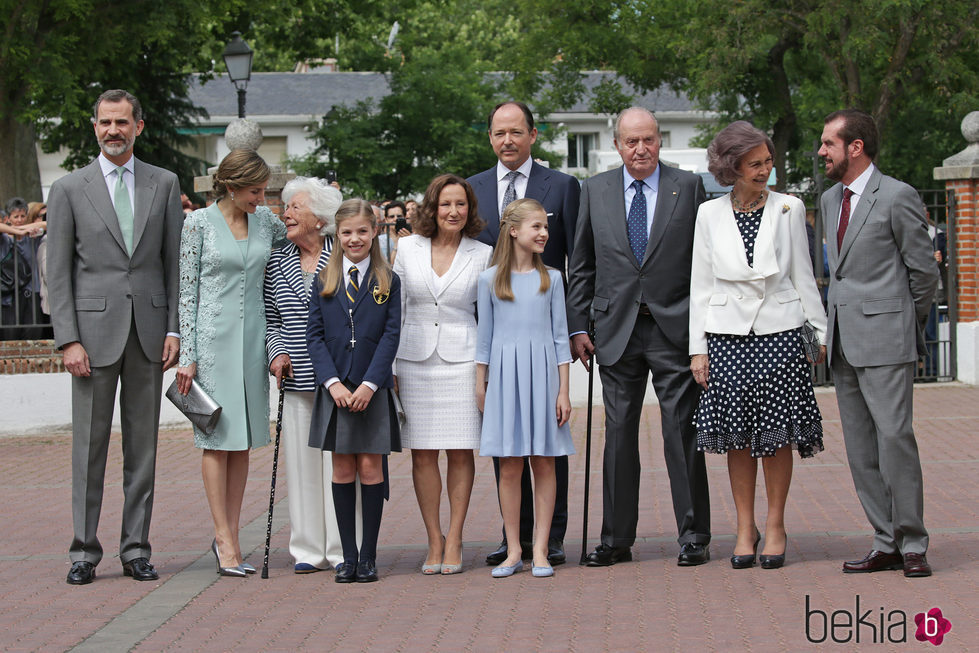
<point x="246" y="134"/>
<point x="961" y="176"/>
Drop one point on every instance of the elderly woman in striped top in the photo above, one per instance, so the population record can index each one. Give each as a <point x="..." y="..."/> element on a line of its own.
<point x="310" y="206"/>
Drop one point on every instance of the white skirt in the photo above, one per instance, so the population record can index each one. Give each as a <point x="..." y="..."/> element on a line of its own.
<point x="439" y="400"/>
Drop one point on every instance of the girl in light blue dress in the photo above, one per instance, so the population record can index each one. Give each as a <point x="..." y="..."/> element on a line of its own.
<point x="522" y="358"/>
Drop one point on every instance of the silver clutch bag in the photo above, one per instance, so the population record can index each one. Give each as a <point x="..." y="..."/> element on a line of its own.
<point x="197" y="405"/>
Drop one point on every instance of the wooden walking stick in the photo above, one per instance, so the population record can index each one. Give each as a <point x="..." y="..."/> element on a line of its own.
<point x="275" y="467"/>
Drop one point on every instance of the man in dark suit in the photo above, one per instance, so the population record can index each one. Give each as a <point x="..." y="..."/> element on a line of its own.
<point x="515" y="176"/>
<point x="881" y="283"/>
<point x="113" y="247"/>
<point x="631" y="270"/>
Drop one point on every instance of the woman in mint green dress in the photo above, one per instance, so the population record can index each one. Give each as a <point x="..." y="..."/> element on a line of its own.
<point x="223" y="252"/>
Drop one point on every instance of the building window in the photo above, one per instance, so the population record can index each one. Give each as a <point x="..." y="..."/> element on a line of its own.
<point x="578" y="147"/>
<point x="666" y="139"/>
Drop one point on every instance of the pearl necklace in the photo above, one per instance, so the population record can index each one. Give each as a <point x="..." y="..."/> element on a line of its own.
<point x="745" y="208"/>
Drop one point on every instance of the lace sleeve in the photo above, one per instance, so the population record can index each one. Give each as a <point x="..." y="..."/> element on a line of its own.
<point x="191" y="239"/>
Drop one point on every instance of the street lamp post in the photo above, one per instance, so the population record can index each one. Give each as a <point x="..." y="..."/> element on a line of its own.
<point x="238" y="60"/>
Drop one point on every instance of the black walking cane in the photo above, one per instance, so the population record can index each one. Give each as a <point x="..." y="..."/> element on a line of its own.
<point x="275" y="467"/>
<point x="588" y="411"/>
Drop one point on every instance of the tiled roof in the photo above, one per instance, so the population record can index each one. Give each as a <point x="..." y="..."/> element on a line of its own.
<point x="313" y="94"/>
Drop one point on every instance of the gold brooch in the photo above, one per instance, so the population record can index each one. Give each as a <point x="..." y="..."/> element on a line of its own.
<point x="785" y="208"/>
<point x="380" y="297"/>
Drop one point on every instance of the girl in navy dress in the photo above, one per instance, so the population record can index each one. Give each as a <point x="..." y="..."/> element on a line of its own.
<point x="522" y="358"/>
<point x="352" y="337"/>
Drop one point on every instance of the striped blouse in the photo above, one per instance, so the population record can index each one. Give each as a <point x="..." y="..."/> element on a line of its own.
<point x="286" y="310"/>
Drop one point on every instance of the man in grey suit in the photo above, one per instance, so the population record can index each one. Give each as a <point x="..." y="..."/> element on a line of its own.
<point x="631" y="270"/>
<point x="517" y="176"/>
<point x="882" y="280"/>
<point x="113" y="245"/>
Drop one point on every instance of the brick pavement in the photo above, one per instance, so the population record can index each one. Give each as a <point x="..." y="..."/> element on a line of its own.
<point x="647" y="605"/>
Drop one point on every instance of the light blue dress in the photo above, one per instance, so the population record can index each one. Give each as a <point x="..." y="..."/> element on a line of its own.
<point x="522" y="341"/>
<point x="222" y="321"/>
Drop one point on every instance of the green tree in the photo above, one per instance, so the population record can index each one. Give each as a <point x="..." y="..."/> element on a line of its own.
<point x="911" y="63"/>
<point x="442" y="87"/>
<point x="56" y="56"/>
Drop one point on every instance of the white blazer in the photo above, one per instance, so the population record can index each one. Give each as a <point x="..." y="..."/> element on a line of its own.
<point x="442" y="321"/>
<point x="778" y="292"/>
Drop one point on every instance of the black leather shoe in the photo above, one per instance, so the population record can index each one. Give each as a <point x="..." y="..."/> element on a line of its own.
<point x="746" y="561"/>
<point x="605" y="556"/>
<point x="497" y="556"/>
<point x="874" y="561"/>
<point x="346" y="572"/>
<point x="916" y="565"/>
<point x="693" y="554"/>
<point x="774" y="561"/>
<point x="555" y="552"/>
<point x="82" y="573"/>
<point x="366" y="571"/>
<point x="140" y="569"/>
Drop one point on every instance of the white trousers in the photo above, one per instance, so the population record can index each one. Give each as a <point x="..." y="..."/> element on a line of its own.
<point x="315" y="538"/>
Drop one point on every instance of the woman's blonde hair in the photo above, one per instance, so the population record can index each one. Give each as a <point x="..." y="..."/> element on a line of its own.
<point x="503" y="256"/>
<point x="331" y="276"/>
<point x="240" y="169"/>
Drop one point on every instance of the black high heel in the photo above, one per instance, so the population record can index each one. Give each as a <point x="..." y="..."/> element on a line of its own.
<point x="746" y="561"/>
<point x="774" y="561"/>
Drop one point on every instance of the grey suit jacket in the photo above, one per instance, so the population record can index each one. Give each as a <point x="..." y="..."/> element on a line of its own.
<point x="883" y="278"/>
<point x="605" y="276"/>
<point x="95" y="287"/>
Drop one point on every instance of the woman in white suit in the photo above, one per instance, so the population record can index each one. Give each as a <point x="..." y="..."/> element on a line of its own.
<point x="751" y="290"/>
<point x="439" y="267"/>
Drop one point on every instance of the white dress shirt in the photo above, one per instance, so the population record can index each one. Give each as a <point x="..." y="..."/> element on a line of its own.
<point x="857" y="187"/>
<point x="111" y="179"/>
<point x="519" y="184"/>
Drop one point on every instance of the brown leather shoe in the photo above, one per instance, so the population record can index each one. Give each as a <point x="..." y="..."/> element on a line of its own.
<point x="916" y="565"/>
<point x="875" y="561"/>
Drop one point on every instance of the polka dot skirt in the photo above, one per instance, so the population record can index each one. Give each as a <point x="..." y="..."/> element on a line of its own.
<point x="759" y="390"/>
<point x="759" y="396"/>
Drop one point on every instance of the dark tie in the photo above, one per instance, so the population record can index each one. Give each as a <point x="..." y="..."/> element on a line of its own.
<point x="844" y="218"/>
<point x="353" y="286"/>
<point x="638" y="232"/>
<point x="510" y="193"/>
<point x="124" y="209"/>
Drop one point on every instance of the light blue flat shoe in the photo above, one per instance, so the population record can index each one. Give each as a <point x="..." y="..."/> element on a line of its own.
<point x="542" y="572"/>
<point x="503" y="571"/>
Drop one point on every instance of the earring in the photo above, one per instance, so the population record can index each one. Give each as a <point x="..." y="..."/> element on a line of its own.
<point x="319" y="225"/>
<point x="232" y="196"/>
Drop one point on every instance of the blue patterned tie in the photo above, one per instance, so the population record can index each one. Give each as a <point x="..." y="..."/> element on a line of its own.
<point x="638" y="234"/>
<point x="353" y="287"/>
<point x="510" y="192"/>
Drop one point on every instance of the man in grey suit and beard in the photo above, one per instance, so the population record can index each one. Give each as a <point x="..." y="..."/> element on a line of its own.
<point x="882" y="280"/>
<point x="631" y="269"/>
<point x="113" y="244"/>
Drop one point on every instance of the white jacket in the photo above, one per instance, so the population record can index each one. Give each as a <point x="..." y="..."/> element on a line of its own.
<point x="778" y="292"/>
<point x="442" y="321"/>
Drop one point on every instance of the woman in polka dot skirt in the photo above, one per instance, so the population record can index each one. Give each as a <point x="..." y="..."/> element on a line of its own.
<point x="751" y="290"/>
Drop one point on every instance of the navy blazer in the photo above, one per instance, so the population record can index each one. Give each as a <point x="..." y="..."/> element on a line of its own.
<point x="556" y="191"/>
<point x="377" y="328"/>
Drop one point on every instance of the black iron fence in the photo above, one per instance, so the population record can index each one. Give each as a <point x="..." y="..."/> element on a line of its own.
<point x="21" y="314"/>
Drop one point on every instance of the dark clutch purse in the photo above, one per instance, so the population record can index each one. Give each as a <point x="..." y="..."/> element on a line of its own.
<point x="196" y="405"/>
<point x="810" y="341"/>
